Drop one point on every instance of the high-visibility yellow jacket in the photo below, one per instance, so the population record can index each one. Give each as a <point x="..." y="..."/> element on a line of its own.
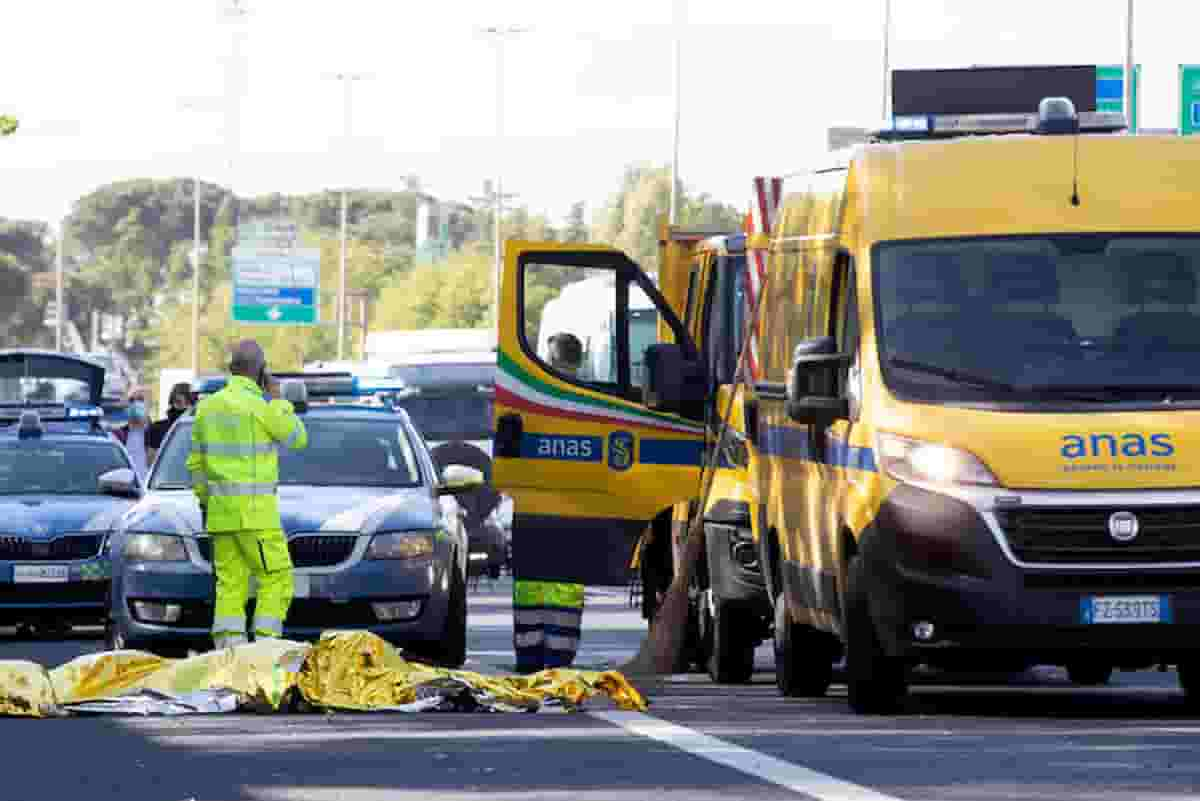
<point x="234" y="460"/>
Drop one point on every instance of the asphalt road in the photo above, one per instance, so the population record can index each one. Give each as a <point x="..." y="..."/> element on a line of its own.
<point x="1029" y="737"/>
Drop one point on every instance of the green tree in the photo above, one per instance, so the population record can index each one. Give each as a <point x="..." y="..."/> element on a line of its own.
<point x="576" y="228"/>
<point x="8" y="125"/>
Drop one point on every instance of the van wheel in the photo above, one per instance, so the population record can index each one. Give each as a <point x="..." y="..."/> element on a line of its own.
<point x="803" y="662"/>
<point x="1088" y="674"/>
<point x="876" y="683"/>
<point x="731" y="659"/>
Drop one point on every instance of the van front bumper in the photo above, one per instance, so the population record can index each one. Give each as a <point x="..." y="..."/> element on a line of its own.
<point x="931" y="558"/>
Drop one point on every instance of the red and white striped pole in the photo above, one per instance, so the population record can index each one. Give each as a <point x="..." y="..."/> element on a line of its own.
<point x="763" y="206"/>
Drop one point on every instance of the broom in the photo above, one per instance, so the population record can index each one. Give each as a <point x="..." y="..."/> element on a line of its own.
<point x="660" y="650"/>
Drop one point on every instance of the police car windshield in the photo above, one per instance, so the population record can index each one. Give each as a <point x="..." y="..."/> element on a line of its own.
<point x="29" y="467"/>
<point x="342" y="453"/>
<point x="1083" y="318"/>
<point x="461" y="416"/>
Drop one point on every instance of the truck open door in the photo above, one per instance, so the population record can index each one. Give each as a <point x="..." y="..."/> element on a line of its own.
<point x="588" y="456"/>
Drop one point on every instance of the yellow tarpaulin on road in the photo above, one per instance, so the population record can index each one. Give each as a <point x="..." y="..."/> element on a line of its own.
<point x="353" y="670"/>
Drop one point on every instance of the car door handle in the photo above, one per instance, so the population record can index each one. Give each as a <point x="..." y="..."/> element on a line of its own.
<point x="509" y="429"/>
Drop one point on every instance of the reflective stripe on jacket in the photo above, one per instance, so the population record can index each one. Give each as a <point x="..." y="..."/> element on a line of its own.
<point x="234" y="460"/>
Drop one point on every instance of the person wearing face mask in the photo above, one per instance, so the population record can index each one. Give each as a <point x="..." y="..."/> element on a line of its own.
<point x="133" y="434"/>
<point x="179" y="401"/>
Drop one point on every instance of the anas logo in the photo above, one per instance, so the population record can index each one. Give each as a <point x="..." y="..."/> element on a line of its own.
<point x="1113" y="446"/>
<point x="620" y="450"/>
<point x="1123" y="526"/>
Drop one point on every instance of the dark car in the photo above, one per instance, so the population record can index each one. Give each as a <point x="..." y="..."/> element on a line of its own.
<point x="374" y="532"/>
<point x="449" y="398"/>
<point x="64" y="484"/>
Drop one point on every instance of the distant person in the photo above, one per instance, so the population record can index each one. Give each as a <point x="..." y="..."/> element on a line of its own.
<point x="178" y="402"/>
<point x="566" y="353"/>
<point x="133" y="434"/>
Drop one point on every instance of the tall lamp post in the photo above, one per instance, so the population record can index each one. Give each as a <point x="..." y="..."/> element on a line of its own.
<point x="1130" y="70"/>
<point x="347" y="79"/>
<point x="677" y="34"/>
<point x="499" y="34"/>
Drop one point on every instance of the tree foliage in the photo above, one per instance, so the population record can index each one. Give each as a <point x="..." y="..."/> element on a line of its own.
<point x="8" y="125"/>
<point x="24" y="251"/>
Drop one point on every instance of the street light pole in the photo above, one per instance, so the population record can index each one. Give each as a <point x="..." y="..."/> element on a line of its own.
<point x="887" y="41"/>
<point x="676" y="46"/>
<point x="499" y="33"/>
<point x="1130" y="70"/>
<point x="60" y="312"/>
<point x="196" y="277"/>
<point x="340" y="316"/>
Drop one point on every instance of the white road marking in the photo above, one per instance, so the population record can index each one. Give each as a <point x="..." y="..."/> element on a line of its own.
<point x="768" y="768"/>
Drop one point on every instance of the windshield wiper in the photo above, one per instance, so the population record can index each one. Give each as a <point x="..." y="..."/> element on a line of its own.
<point x="954" y="374"/>
<point x="172" y="486"/>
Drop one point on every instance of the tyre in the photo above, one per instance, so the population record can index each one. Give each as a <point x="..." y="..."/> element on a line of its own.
<point x="1089" y="674"/>
<point x="803" y="657"/>
<point x="731" y="660"/>
<point x="1189" y="680"/>
<point x="876" y="683"/>
<point x="451" y="649"/>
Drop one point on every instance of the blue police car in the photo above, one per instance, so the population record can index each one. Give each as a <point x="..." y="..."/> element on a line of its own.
<point x="64" y="483"/>
<point x="374" y="531"/>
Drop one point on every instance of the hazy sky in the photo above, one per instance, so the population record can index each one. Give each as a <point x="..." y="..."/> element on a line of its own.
<point x="587" y="90"/>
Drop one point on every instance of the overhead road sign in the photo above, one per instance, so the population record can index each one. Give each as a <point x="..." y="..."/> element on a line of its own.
<point x="1189" y="99"/>
<point x="276" y="286"/>
<point x="1110" y="91"/>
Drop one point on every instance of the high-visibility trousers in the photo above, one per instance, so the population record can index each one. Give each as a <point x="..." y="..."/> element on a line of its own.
<point x="237" y="556"/>
<point x="547" y="621"/>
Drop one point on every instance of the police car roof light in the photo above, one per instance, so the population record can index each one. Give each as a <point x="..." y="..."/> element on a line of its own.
<point x="319" y="385"/>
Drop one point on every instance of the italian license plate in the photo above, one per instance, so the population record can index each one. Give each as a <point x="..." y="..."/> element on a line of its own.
<point x="40" y="574"/>
<point x="1126" y="609"/>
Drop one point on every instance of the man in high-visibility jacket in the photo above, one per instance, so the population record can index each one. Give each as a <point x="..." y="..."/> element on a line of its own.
<point x="234" y="463"/>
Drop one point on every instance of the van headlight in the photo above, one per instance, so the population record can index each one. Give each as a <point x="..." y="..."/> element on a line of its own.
<point x="155" y="548"/>
<point x="401" y="545"/>
<point x="914" y="461"/>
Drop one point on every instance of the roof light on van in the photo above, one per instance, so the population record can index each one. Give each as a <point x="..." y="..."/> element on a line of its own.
<point x="1056" y="115"/>
<point x="916" y="462"/>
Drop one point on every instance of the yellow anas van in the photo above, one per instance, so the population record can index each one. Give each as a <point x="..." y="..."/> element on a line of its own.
<point x="981" y="404"/>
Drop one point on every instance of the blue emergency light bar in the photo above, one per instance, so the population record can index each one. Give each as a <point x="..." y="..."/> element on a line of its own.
<point x="319" y="385"/>
<point x="942" y="126"/>
<point x="34" y="422"/>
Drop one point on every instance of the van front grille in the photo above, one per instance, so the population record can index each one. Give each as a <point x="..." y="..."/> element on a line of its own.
<point x="1062" y="535"/>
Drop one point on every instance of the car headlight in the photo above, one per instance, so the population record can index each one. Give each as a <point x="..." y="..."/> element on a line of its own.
<point x="155" y="548"/>
<point x="914" y="461"/>
<point x="401" y="545"/>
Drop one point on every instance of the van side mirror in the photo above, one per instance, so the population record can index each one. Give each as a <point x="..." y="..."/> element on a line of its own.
<point x="673" y="382"/>
<point x="812" y="383"/>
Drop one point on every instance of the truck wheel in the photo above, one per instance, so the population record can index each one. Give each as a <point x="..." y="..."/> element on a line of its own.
<point x="876" y="683"/>
<point x="731" y="660"/>
<point x="803" y="662"/>
<point x="1089" y="674"/>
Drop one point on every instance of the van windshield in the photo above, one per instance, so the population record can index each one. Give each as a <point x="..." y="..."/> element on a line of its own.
<point x="1083" y="318"/>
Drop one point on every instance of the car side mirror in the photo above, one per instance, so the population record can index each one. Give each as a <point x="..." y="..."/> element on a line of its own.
<point x="812" y="383"/>
<point x="673" y="382"/>
<point x="458" y="479"/>
<point x="121" y="482"/>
